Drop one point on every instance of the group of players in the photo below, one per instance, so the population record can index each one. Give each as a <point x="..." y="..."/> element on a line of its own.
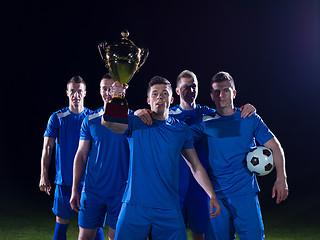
<point x="132" y="176"/>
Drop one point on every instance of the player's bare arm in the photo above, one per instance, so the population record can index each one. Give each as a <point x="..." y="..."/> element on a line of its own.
<point x="44" y="184"/>
<point x="280" y="188"/>
<point x="79" y="166"/>
<point x="120" y="128"/>
<point x="201" y="176"/>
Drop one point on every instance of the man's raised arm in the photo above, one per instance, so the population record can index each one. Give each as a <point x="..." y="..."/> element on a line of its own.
<point x="119" y="128"/>
<point x="113" y="117"/>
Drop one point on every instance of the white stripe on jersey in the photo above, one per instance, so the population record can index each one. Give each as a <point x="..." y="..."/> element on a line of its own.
<point x="208" y="118"/>
<point x="175" y="112"/>
<point x="95" y="115"/>
<point x="63" y="114"/>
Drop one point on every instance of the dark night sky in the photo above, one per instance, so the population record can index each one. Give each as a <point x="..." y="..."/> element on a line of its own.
<point x="271" y="48"/>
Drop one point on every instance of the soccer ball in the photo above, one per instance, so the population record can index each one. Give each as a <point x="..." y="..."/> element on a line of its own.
<point x="260" y="161"/>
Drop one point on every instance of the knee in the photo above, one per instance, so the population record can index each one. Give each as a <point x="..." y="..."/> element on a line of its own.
<point x="112" y="233"/>
<point x="62" y="220"/>
<point x="86" y="234"/>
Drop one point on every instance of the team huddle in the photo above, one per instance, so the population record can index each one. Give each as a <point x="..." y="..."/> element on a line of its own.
<point x="164" y="170"/>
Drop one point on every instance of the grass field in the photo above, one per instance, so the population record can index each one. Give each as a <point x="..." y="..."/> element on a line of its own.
<point x="22" y="218"/>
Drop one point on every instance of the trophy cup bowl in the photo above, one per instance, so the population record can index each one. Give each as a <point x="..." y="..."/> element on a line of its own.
<point x="123" y="59"/>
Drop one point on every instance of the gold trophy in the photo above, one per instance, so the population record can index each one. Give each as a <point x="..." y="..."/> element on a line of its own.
<point x="123" y="59"/>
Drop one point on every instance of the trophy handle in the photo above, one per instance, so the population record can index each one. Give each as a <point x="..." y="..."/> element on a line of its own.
<point x="102" y="49"/>
<point x="144" y="53"/>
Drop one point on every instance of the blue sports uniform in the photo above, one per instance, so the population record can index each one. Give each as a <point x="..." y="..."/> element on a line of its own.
<point x="151" y="198"/>
<point x="64" y="126"/>
<point x="229" y="140"/>
<point x="193" y="199"/>
<point x="106" y="173"/>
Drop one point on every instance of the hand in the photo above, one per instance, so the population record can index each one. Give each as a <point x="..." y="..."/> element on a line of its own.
<point x="281" y="190"/>
<point x="45" y="185"/>
<point x="214" y="204"/>
<point x="118" y="89"/>
<point x="247" y="110"/>
<point x="75" y="201"/>
<point x="144" y="115"/>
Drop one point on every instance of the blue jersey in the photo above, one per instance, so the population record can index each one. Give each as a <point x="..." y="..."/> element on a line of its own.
<point x="108" y="161"/>
<point x="153" y="179"/>
<point x="64" y="126"/>
<point x="230" y="138"/>
<point x="187" y="183"/>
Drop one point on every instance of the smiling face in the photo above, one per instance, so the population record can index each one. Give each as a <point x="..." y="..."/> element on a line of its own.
<point x="159" y="99"/>
<point x="76" y="93"/>
<point x="105" y="85"/>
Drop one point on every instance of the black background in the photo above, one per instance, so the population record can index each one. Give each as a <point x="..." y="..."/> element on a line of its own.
<point x="271" y="48"/>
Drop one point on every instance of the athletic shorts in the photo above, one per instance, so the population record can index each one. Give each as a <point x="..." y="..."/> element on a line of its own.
<point x="195" y="210"/>
<point x="241" y="214"/>
<point x="96" y="212"/>
<point x="61" y="204"/>
<point x="137" y="222"/>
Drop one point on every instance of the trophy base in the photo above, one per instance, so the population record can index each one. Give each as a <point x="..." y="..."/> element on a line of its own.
<point x="116" y="110"/>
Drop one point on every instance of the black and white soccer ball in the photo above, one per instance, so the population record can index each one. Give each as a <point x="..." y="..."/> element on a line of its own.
<point x="260" y="161"/>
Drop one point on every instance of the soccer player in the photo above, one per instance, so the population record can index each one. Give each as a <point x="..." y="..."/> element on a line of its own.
<point x="105" y="157"/>
<point x="229" y="138"/>
<point x="63" y="130"/>
<point x="151" y="200"/>
<point x="193" y="199"/>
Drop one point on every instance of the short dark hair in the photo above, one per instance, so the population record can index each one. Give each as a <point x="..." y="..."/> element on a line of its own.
<point x="158" y="80"/>
<point x="220" y="77"/>
<point x="107" y="76"/>
<point x="77" y="79"/>
<point x="185" y="74"/>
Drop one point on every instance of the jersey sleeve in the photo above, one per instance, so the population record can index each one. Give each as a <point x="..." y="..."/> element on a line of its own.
<point x="131" y="112"/>
<point x="134" y="123"/>
<point x="207" y="111"/>
<point x="52" y="129"/>
<point x="197" y="131"/>
<point x="261" y="132"/>
<point x="85" y="130"/>
<point x="131" y="123"/>
<point x="188" y="143"/>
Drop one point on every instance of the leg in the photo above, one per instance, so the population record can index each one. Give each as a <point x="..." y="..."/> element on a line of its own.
<point x="99" y="234"/>
<point x="62" y="210"/>
<point x="197" y="213"/>
<point x="91" y="217"/>
<point x="62" y="221"/>
<point x="60" y="231"/>
<point x="197" y="236"/>
<point x="86" y="234"/>
<point x="168" y="224"/>
<point x="247" y="217"/>
<point x="113" y="210"/>
<point x="112" y="233"/>
<point x="134" y="223"/>
<point x="221" y="227"/>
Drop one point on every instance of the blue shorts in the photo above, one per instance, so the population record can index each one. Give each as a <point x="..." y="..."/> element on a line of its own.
<point x="94" y="211"/>
<point x="61" y="204"/>
<point x="241" y="214"/>
<point x="195" y="210"/>
<point x="137" y="222"/>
